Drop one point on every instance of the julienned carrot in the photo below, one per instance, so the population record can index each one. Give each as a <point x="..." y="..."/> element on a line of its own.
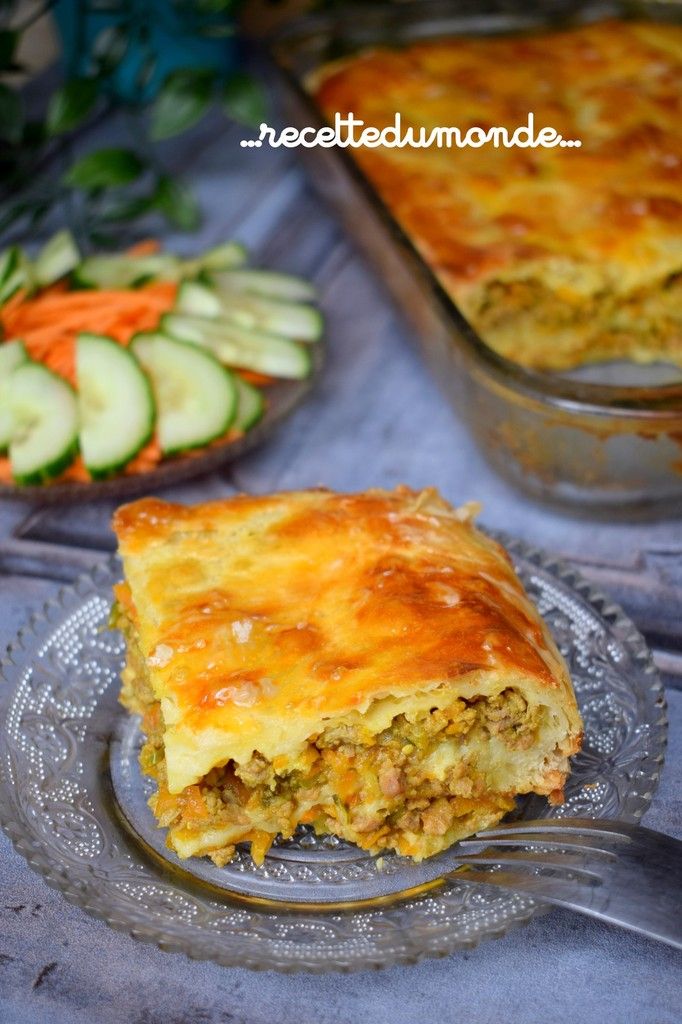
<point x="55" y="315"/>
<point x="50" y="322"/>
<point x="45" y="308"/>
<point x="261" y="380"/>
<point x="146" y="458"/>
<point x="13" y="302"/>
<point x="58" y="288"/>
<point x="60" y="359"/>
<point x="65" y="325"/>
<point x="91" y="297"/>
<point x="76" y="473"/>
<point x="146" y="247"/>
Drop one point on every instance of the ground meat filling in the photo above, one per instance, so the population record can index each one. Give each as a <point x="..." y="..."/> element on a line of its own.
<point x="382" y="789"/>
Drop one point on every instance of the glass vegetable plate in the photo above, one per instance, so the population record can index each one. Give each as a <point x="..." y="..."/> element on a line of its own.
<point x="72" y="800"/>
<point x="282" y="398"/>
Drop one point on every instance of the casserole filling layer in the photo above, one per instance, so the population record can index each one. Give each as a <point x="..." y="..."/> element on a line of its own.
<point x="557" y="256"/>
<point x="526" y="321"/>
<point x="429" y="779"/>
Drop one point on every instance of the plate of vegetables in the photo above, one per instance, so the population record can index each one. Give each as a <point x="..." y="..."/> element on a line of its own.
<point x="120" y="372"/>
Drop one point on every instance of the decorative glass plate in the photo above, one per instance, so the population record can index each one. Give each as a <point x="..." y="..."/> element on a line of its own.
<point x="73" y="801"/>
<point x="282" y="397"/>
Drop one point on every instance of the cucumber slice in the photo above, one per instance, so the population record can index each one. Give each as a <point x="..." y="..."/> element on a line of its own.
<point x="241" y="348"/>
<point x="117" y="271"/>
<point x="268" y="283"/>
<point x="250" y="405"/>
<point x="126" y="271"/>
<point x="18" y="275"/>
<point x="15" y="281"/>
<point x="197" y="299"/>
<point x="45" y="424"/>
<point x="12" y="354"/>
<point x="57" y="258"/>
<point x="286" y="319"/>
<point x="196" y="397"/>
<point x="222" y="257"/>
<point x="115" y="404"/>
<point x="8" y="262"/>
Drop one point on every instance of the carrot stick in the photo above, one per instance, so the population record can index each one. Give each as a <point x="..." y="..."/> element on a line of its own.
<point x="76" y="472"/>
<point x="147" y="458"/>
<point x="145" y="247"/>
<point x="58" y="288"/>
<point x="50" y="322"/>
<point x="252" y="377"/>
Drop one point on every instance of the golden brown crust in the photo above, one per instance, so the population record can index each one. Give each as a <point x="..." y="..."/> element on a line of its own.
<point x="557" y="256"/>
<point x="263" y="617"/>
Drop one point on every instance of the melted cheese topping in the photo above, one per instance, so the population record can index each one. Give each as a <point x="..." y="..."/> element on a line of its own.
<point x="557" y="256"/>
<point x="261" y="619"/>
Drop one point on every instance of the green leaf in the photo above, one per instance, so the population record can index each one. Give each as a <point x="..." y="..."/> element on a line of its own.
<point x="8" y="43"/>
<point x="70" y="105"/>
<point x="128" y="209"/>
<point x="245" y="99"/>
<point x="29" y="211"/>
<point x="184" y="99"/>
<point x="11" y="115"/>
<point x="105" y="168"/>
<point x="177" y="204"/>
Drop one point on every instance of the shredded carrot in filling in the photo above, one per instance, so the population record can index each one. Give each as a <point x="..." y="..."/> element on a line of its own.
<point x="195" y="805"/>
<point x="125" y="599"/>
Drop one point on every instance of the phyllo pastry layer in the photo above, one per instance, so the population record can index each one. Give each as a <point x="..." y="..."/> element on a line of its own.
<point x="557" y="256"/>
<point x="365" y="663"/>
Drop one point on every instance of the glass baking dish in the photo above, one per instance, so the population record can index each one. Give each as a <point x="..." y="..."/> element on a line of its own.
<point x="599" y="440"/>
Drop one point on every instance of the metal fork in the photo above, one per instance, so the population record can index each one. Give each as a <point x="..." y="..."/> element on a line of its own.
<point x="624" y="874"/>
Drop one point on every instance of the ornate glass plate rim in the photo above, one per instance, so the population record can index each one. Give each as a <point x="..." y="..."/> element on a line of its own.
<point x="56" y="805"/>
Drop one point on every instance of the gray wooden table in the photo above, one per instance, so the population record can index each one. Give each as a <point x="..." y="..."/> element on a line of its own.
<point x="376" y="418"/>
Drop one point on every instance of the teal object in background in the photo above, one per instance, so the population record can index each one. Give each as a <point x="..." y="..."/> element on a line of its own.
<point x="144" y="40"/>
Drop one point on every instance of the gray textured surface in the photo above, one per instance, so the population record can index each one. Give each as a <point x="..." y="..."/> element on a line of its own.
<point x="376" y="419"/>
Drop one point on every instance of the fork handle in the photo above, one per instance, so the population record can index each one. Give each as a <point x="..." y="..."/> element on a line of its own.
<point x="641" y="893"/>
